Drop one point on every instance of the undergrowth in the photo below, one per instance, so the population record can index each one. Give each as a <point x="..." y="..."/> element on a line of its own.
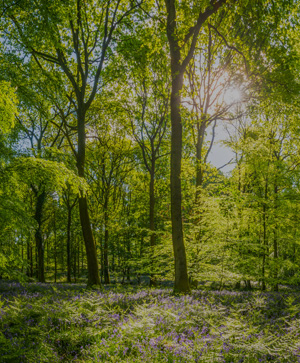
<point x="66" y="323"/>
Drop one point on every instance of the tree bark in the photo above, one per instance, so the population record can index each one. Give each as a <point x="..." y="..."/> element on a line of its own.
<point x="152" y="218"/>
<point x="265" y="241"/>
<point x="91" y="253"/>
<point x="29" y="260"/>
<point x="263" y="287"/>
<point x="105" y="245"/>
<point x="181" y="276"/>
<point x="275" y="241"/>
<point x="199" y="148"/>
<point x="69" y="244"/>
<point x="41" y="198"/>
<point x="92" y="263"/>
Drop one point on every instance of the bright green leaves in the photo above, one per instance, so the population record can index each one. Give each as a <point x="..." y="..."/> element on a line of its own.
<point x="55" y="176"/>
<point x="8" y="107"/>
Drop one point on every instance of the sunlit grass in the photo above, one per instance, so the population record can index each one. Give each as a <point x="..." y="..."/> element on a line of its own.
<point x="65" y="323"/>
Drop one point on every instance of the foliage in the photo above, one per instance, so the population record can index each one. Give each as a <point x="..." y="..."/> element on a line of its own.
<point x="65" y="322"/>
<point x="8" y="107"/>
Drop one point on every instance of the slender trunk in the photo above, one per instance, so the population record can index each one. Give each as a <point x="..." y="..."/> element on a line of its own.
<point x="91" y="253"/>
<point x="41" y="198"/>
<point x="199" y="148"/>
<point x="62" y="261"/>
<point x="55" y="254"/>
<point x="101" y="261"/>
<point x="82" y="257"/>
<point x="47" y="260"/>
<point x="151" y="219"/>
<point x="105" y="245"/>
<point x="275" y="243"/>
<point x="78" y="257"/>
<point x="28" y="256"/>
<point x="152" y="205"/>
<point x="263" y="287"/>
<point x="22" y="252"/>
<point x="113" y="258"/>
<point x="181" y="275"/>
<point x="75" y="260"/>
<point x="265" y="242"/>
<point x="129" y="256"/>
<point x="69" y="244"/>
<point x="31" y="261"/>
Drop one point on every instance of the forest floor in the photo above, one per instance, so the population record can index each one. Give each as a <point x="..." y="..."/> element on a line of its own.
<point x="66" y="323"/>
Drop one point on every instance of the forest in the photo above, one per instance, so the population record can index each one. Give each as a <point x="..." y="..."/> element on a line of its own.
<point x="149" y="181"/>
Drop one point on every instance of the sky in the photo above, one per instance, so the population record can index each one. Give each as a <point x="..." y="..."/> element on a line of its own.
<point x="221" y="154"/>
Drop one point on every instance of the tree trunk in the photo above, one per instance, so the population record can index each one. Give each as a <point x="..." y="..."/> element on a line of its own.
<point x="105" y="246"/>
<point x="181" y="275"/>
<point x="31" y="261"/>
<point x="75" y="261"/>
<point x="28" y="257"/>
<point x="41" y="198"/>
<point x="275" y="242"/>
<point x="91" y="253"/>
<point x="92" y="263"/>
<point x="69" y="244"/>
<point x="55" y="251"/>
<point x="78" y="257"/>
<point x="265" y="241"/>
<point x="263" y="287"/>
<point x="178" y="68"/>
<point x="151" y="219"/>
<point x="199" y="167"/>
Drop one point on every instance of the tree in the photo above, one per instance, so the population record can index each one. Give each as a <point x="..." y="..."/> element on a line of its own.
<point x="215" y="76"/>
<point x="182" y="48"/>
<point x="265" y="180"/>
<point x="244" y="17"/>
<point x="147" y="107"/>
<point x="71" y="48"/>
<point x="109" y="161"/>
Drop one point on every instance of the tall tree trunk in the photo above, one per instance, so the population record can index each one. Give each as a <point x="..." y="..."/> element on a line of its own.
<point x="55" y="251"/>
<point x="181" y="275"/>
<point x="41" y="198"/>
<point x="69" y="244"/>
<point x="78" y="257"/>
<point x="92" y="263"/>
<point x="263" y="286"/>
<point x="28" y="256"/>
<point x="75" y="260"/>
<point x="31" y="261"/>
<point x="152" y="218"/>
<point x="105" y="245"/>
<point x="91" y="253"/>
<point x="275" y="241"/>
<point x="265" y="241"/>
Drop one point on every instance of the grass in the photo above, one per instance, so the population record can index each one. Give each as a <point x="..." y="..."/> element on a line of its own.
<point x="66" y="323"/>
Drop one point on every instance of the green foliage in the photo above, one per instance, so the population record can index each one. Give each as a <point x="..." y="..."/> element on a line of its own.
<point x="8" y="107"/>
<point x="68" y="323"/>
<point x="54" y="175"/>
